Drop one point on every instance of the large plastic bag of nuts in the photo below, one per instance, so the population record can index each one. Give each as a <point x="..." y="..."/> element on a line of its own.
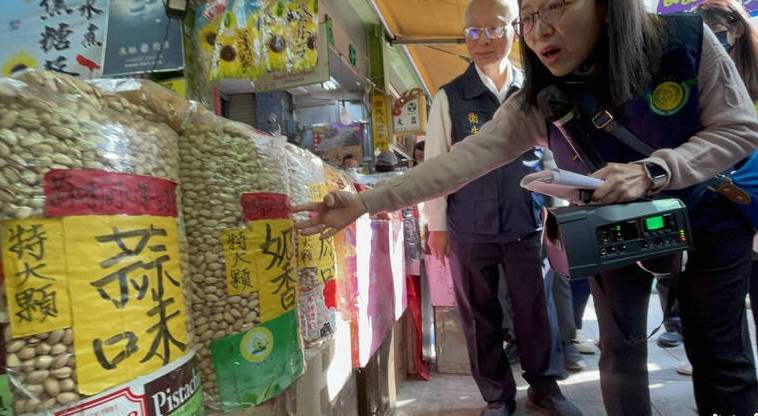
<point x="90" y="247"/>
<point x="167" y="106"/>
<point x="225" y="167"/>
<point x="316" y="257"/>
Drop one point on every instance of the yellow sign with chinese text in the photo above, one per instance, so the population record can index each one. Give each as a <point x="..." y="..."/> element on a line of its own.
<point x="262" y="259"/>
<point x="312" y="250"/>
<point x="316" y="191"/>
<point x="36" y="283"/>
<point x="379" y="123"/>
<point x="126" y="290"/>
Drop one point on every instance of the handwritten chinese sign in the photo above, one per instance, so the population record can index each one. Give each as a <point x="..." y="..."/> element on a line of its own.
<point x="262" y="258"/>
<point x="313" y="252"/>
<point x="85" y="192"/>
<point x="379" y="124"/>
<point x="58" y="35"/>
<point x="128" y="311"/>
<point x="36" y="281"/>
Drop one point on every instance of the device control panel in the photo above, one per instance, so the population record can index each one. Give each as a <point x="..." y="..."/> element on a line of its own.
<point x="644" y="234"/>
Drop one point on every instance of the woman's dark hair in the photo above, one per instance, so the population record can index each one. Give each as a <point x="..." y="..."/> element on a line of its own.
<point x="733" y="15"/>
<point x="419" y="146"/>
<point x="631" y="44"/>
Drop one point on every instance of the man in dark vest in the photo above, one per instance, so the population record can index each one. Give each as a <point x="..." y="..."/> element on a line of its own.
<point x="493" y="223"/>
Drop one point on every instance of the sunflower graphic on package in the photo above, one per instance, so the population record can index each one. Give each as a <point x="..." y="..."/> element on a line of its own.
<point x="207" y="37"/>
<point x="303" y="27"/>
<point x="226" y="57"/>
<point x="18" y="62"/>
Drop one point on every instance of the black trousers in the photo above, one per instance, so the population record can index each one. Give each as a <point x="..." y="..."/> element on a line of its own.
<point x="711" y="293"/>
<point x="474" y="269"/>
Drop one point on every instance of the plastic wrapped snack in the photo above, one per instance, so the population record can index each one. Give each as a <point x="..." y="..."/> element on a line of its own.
<point x="316" y="258"/>
<point x="90" y="244"/>
<point x="221" y="162"/>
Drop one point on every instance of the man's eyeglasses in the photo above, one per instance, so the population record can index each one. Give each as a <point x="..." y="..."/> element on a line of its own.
<point x="474" y="33"/>
<point x="548" y="13"/>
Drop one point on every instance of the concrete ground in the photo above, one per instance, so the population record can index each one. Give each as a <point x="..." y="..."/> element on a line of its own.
<point x="457" y="395"/>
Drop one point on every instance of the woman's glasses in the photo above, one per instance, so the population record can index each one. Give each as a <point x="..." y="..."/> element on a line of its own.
<point x="548" y="13"/>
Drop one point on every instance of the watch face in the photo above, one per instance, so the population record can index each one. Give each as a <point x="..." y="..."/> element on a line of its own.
<point x="655" y="171"/>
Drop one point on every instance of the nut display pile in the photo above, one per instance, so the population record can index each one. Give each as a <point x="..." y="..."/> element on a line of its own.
<point x="221" y="160"/>
<point x="52" y="121"/>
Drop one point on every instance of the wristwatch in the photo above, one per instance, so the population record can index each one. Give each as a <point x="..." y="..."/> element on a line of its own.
<point x="656" y="174"/>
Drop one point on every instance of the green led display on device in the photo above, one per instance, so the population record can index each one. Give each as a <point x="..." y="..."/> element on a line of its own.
<point x="654" y="223"/>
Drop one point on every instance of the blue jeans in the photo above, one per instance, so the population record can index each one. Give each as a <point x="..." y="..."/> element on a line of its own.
<point x="711" y="293"/>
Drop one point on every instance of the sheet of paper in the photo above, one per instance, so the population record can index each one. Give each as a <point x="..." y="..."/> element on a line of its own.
<point x="560" y="183"/>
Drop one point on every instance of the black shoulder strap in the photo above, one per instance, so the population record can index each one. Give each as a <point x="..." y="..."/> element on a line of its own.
<point x="602" y="119"/>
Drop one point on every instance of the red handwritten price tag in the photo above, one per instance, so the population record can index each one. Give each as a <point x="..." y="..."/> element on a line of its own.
<point x="265" y="206"/>
<point x="95" y="192"/>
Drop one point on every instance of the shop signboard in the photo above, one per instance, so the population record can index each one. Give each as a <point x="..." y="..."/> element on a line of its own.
<point x="140" y="37"/>
<point x="379" y="124"/>
<point x="673" y="6"/>
<point x="57" y="36"/>
<point x="409" y="112"/>
<point x="280" y="80"/>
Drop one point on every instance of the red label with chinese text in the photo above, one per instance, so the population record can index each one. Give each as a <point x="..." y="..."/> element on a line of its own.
<point x="95" y="192"/>
<point x="265" y="206"/>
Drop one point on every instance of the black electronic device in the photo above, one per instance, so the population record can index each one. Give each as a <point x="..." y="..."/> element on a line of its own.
<point x="587" y="239"/>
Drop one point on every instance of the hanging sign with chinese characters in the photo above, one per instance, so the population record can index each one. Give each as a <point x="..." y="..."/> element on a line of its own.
<point x="63" y="36"/>
<point x="262" y="258"/>
<point x="121" y="244"/>
<point x="317" y="271"/>
<point x="409" y="112"/>
<point x="127" y="306"/>
<point x="314" y="252"/>
<point x="379" y="124"/>
<point x="673" y="6"/>
<point x="36" y="281"/>
<point x="141" y="38"/>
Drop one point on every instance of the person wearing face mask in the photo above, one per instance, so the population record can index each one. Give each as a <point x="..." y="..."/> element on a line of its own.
<point x="730" y="22"/>
<point x="671" y="83"/>
<point x="350" y="165"/>
<point x="489" y="230"/>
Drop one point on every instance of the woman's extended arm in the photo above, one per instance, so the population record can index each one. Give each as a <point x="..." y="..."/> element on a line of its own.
<point x="510" y="133"/>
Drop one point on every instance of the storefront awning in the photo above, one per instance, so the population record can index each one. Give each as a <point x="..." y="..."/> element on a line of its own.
<point x="432" y="33"/>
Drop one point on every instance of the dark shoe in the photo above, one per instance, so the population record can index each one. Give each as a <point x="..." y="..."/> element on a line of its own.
<point x="511" y="351"/>
<point x="669" y="339"/>
<point x="556" y="404"/>
<point x="572" y="360"/>
<point x="499" y="408"/>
